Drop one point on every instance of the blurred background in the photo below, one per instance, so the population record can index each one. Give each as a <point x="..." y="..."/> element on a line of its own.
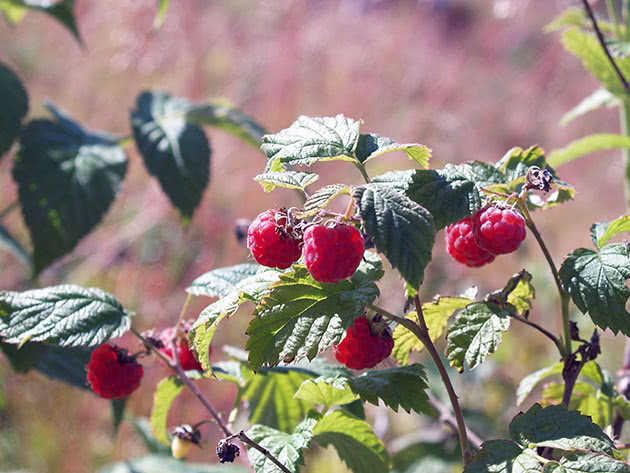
<point x="468" y="79"/>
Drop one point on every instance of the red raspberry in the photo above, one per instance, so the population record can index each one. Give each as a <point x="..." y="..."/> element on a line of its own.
<point x="498" y="230"/>
<point x="362" y="349"/>
<point x="270" y="241"/>
<point x="112" y="373"/>
<point x="460" y="244"/>
<point x="332" y="253"/>
<point x="185" y="355"/>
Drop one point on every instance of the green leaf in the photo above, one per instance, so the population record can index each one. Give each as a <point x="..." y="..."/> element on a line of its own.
<point x="372" y="146"/>
<point x="521" y="296"/>
<point x="220" y="282"/>
<point x="67" y="179"/>
<point x="436" y="316"/>
<point x="287" y="448"/>
<point x="309" y="140"/>
<point x="14" y="247"/>
<point x="322" y="197"/>
<point x="354" y="440"/>
<point x="62" y="11"/>
<point x="585" y="398"/>
<point x="557" y="427"/>
<point x="400" y="228"/>
<point x="166" y="392"/>
<point x="592" y="463"/>
<point x="13" y="11"/>
<point x="596" y="282"/>
<point x="328" y="391"/>
<point x="65" y="315"/>
<point x="573" y="16"/>
<point x="161" y="14"/>
<point x="528" y="383"/>
<point x="174" y="150"/>
<point x="168" y="464"/>
<point x="503" y="456"/>
<point x="286" y="180"/>
<point x="14" y="106"/>
<point x="403" y="386"/>
<point x="586" y="145"/>
<point x="227" y="118"/>
<point x="301" y="317"/>
<point x="606" y="230"/>
<point x="427" y="457"/>
<point x="476" y="333"/>
<point x="118" y="412"/>
<point x="592" y="102"/>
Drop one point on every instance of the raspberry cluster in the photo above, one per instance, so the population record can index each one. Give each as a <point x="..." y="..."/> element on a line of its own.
<point x="491" y="231"/>
<point x="365" y="345"/>
<point x="271" y="242"/>
<point x="112" y="373"/>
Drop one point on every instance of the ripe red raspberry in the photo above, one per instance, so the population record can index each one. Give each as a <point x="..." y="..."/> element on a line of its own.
<point x="498" y="230"/>
<point x="112" y="373"/>
<point x="332" y="253"/>
<point x="361" y="348"/>
<point x="460" y="244"/>
<point x="271" y="242"/>
<point x="185" y="355"/>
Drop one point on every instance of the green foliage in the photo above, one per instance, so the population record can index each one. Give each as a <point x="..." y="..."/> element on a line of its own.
<point x="586" y="145"/>
<point x="521" y="295"/>
<point x="596" y="282"/>
<point x="13" y="12"/>
<point x="62" y="11"/>
<point x="161" y="14"/>
<point x="167" y="391"/>
<point x="142" y="427"/>
<point x="585" y="398"/>
<point x="602" y="232"/>
<point x="66" y="315"/>
<point x="67" y="179"/>
<point x="372" y="146"/>
<point x="14" y="106"/>
<point x="573" y="16"/>
<point x="301" y="317"/>
<point x="328" y="391"/>
<point x="323" y="196"/>
<point x="530" y="381"/>
<point x="503" y="456"/>
<point x="222" y="281"/>
<point x="427" y="457"/>
<point x="591" y="102"/>
<point x="167" y="464"/>
<point x="590" y="462"/>
<point x="400" y="228"/>
<point x="174" y="150"/>
<point x="286" y="180"/>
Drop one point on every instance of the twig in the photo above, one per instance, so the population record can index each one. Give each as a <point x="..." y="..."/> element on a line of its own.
<point x="449" y="419"/>
<point x="542" y="330"/>
<point x="245" y="439"/>
<point x="181" y="316"/>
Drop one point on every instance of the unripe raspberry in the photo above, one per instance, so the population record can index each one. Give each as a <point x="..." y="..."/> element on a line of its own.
<point x="271" y="241"/>
<point x="112" y="373"/>
<point x="364" y="346"/>
<point x="185" y="355"/>
<point x="332" y="253"/>
<point x="498" y="230"/>
<point x="461" y="245"/>
<point x="184" y="437"/>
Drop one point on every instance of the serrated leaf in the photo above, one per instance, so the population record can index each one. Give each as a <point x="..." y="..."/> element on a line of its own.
<point x="167" y="464"/>
<point x="309" y="140"/>
<point x="65" y="315"/>
<point x="402" y="386"/>
<point x="167" y="391"/>
<point x="596" y="282"/>
<point x="355" y="442"/>
<point x="67" y="179"/>
<point x="591" y="463"/>
<point x="220" y="282"/>
<point x="174" y="150"/>
<point x="557" y="427"/>
<point x="14" y="106"/>
<point x="587" y="145"/>
<point x="301" y="317"/>
<point x="161" y="14"/>
<point x="371" y="146"/>
<point x="228" y="118"/>
<point x="503" y="456"/>
<point x="602" y="232"/>
<point x="591" y="102"/>
<point x="522" y="295"/>
<point x="475" y="334"/>
<point x="14" y="247"/>
<point x="322" y="197"/>
<point x="401" y="229"/>
<point x="436" y="316"/>
<point x="286" y="180"/>
<point x="584" y="398"/>
<point x="572" y="16"/>
<point x="528" y="383"/>
<point x="287" y="448"/>
<point x="328" y="391"/>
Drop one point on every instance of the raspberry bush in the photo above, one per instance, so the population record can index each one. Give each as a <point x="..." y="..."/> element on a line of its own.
<point x="323" y="342"/>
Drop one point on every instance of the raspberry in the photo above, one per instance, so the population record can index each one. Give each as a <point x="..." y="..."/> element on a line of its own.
<point x="184" y="437"/>
<point x="498" y="230"/>
<point x="112" y="373"/>
<point x="460" y="244"/>
<point x="332" y="253"/>
<point x="361" y="348"/>
<point x="185" y="355"/>
<point x="270" y="241"/>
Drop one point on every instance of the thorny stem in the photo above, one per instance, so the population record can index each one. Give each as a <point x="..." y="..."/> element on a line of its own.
<point x="542" y="330"/>
<point x="9" y="208"/>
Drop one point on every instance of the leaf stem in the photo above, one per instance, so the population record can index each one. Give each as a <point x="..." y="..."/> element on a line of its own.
<point x="364" y="173"/>
<point x="9" y="208"/>
<point x="189" y="297"/>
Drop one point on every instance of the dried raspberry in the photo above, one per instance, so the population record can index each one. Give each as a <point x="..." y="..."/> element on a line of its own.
<point x="185" y="355"/>
<point x="498" y="230"/>
<point x="270" y="241"/>
<point x="362" y="349"/>
<point x="460" y="244"/>
<point x="332" y="253"/>
<point x="112" y="373"/>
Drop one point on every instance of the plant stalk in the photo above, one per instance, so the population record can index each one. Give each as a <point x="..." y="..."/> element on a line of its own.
<point x="361" y="167"/>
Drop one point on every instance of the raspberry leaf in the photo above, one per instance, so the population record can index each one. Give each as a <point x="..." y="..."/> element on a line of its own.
<point x="67" y="179"/>
<point x="14" y="106"/>
<point x="167" y="391"/>
<point x="436" y="316"/>
<point x="65" y="315"/>
<point x="328" y="391"/>
<point x="476" y="333"/>
<point x="504" y="456"/>
<point x="602" y="232"/>
<point x="580" y="462"/>
<point x="220" y="282"/>
<point x="587" y="145"/>
<point x="174" y="150"/>
<point x="287" y="180"/>
<point x="301" y="317"/>
<point x="355" y="442"/>
<point x="309" y="140"/>
<point x="371" y="146"/>
<point x="530" y="381"/>
<point x="401" y="229"/>
<point x="322" y="197"/>
<point x="597" y="99"/>
<point x="586" y="399"/>
<point x="596" y="282"/>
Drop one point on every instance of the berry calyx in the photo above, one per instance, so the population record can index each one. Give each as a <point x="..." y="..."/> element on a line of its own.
<point x="185" y="355"/>
<point x="499" y="230"/>
<point x="112" y="373"/>
<point x="366" y="344"/>
<point x="272" y="241"/>
<point x="461" y="245"/>
<point x="332" y="253"/>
